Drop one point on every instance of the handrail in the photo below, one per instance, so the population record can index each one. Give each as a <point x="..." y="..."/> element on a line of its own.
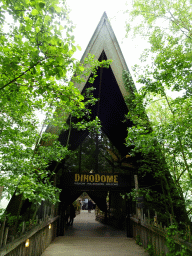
<point x="12" y="245"/>
<point x="162" y="232"/>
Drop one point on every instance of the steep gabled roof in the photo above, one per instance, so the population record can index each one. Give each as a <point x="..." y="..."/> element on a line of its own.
<point x="104" y="39"/>
<point x="109" y="89"/>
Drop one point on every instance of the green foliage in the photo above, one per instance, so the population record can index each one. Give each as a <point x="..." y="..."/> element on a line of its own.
<point x="167" y="27"/>
<point x="28" y="225"/>
<point x="145" y="192"/>
<point x="37" y="47"/>
<point x="174" y="249"/>
<point x="10" y="220"/>
<point x="138" y="240"/>
<point x="171" y="232"/>
<point x="150" y="144"/>
<point x="150" y="249"/>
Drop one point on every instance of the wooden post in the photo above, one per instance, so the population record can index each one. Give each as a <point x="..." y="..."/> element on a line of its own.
<point x="48" y="208"/>
<point x="138" y="210"/>
<point x="23" y="227"/>
<point x="142" y="213"/>
<point x="2" y="232"/>
<point x="45" y="210"/>
<point x="61" y="224"/>
<point x="129" y="224"/>
<point x="36" y="219"/>
<point x="127" y="219"/>
<point x="5" y="236"/>
<point x="148" y="216"/>
<point x="155" y="219"/>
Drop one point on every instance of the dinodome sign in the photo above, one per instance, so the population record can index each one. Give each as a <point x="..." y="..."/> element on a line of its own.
<point x="96" y="179"/>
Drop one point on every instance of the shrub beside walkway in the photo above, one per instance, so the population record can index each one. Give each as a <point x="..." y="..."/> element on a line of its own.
<point x="89" y="237"/>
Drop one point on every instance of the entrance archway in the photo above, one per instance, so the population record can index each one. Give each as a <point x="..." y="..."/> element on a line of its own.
<point x="98" y="187"/>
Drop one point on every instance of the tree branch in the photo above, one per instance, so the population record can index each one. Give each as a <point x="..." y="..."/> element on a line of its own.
<point x="23" y="73"/>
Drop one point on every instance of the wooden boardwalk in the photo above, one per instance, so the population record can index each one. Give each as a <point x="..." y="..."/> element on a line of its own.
<point x="89" y="237"/>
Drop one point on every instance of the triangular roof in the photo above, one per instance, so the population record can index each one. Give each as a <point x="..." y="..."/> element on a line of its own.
<point x="109" y="89"/>
<point x="104" y="39"/>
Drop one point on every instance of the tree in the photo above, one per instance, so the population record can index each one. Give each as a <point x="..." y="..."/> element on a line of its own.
<point x="167" y="128"/>
<point x="167" y="27"/>
<point x="36" y="66"/>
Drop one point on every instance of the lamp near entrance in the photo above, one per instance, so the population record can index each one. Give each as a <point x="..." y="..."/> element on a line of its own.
<point x="27" y="243"/>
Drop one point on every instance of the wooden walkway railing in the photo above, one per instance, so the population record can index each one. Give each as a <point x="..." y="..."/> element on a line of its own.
<point x="32" y="242"/>
<point x="147" y="232"/>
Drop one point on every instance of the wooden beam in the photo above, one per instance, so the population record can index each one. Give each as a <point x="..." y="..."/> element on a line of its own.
<point x="138" y="210"/>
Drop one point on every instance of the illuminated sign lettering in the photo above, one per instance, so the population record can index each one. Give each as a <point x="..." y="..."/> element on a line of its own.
<point x="94" y="179"/>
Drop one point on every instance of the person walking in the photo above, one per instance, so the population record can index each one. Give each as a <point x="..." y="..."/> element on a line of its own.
<point x="67" y="215"/>
<point x="72" y="214"/>
<point x="90" y="206"/>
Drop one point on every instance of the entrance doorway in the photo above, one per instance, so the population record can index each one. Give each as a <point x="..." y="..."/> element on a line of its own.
<point x="97" y="168"/>
<point x="104" y="216"/>
<point x="91" y="221"/>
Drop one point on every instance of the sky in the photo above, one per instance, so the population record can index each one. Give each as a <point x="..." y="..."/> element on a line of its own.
<point x="86" y="15"/>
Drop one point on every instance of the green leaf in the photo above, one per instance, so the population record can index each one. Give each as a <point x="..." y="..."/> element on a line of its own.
<point x="81" y="68"/>
<point x="73" y="48"/>
<point x="61" y="27"/>
<point x="26" y="18"/>
<point x="41" y="5"/>
<point x="34" y="12"/>
<point x="37" y="29"/>
<point x="47" y="18"/>
<point x="66" y="48"/>
<point x="57" y="9"/>
<point x="79" y="47"/>
<point x="28" y="27"/>
<point x="34" y="71"/>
